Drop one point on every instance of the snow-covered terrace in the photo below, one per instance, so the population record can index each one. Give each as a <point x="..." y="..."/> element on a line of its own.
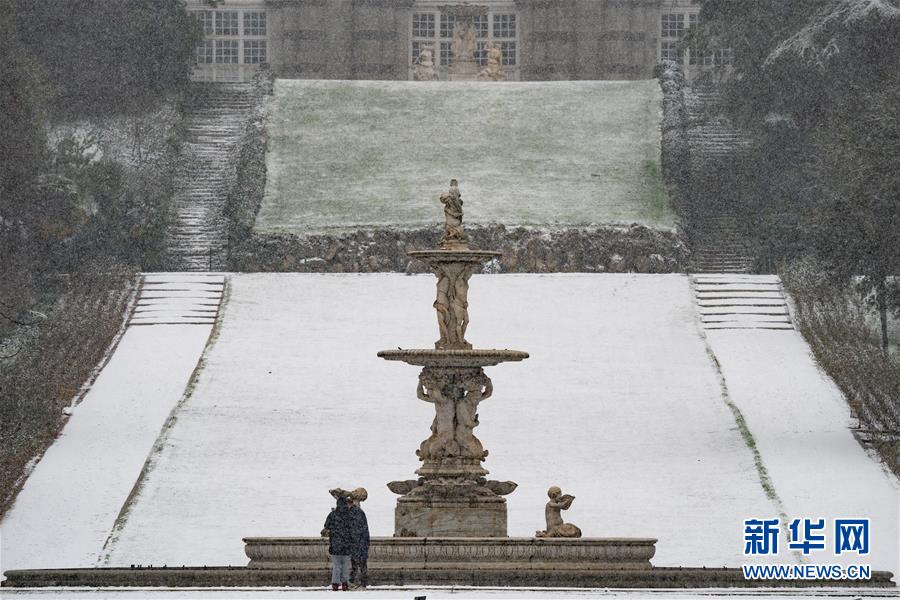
<point x="658" y="428"/>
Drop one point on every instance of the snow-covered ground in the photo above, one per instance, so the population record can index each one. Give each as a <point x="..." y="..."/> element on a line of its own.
<point x="348" y="154"/>
<point x="621" y="404"/>
<point x="67" y="508"/>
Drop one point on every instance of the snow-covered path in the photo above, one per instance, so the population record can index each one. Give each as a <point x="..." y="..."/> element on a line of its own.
<point x="798" y="419"/>
<point x="67" y="508"/>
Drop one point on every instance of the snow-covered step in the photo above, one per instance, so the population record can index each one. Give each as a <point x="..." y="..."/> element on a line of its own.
<point x="178" y="299"/>
<point x="778" y="326"/>
<point x="749" y="318"/>
<point x="740" y="301"/>
<point x="729" y="278"/>
<point x="743" y="310"/>
<point x="744" y="286"/>
<point x="714" y="295"/>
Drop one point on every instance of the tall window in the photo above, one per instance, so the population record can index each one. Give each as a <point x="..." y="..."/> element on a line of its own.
<point x="673" y="27"/>
<point x="671" y="31"/>
<point x="205" y="51"/>
<point x="254" y="52"/>
<point x="233" y="38"/>
<point x="227" y="51"/>
<point x="435" y="29"/>
<point x="255" y="24"/>
<point x="226" y="22"/>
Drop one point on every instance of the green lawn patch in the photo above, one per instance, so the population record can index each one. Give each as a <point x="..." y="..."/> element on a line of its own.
<point x="355" y="154"/>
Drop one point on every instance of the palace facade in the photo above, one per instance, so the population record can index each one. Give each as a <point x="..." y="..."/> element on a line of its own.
<point x="381" y="39"/>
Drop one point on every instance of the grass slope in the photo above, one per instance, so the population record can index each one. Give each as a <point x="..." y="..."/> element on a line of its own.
<point x="351" y="154"/>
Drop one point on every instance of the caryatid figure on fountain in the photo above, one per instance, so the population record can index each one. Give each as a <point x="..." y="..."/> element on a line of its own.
<point x="477" y="387"/>
<point x="441" y="443"/>
<point x="455" y="419"/>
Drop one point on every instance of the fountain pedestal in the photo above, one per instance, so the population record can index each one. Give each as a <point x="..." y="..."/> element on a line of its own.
<point x="452" y="496"/>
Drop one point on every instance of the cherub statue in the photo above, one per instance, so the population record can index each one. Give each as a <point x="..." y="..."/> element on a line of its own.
<point x="555" y="525"/>
<point x="493" y="71"/>
<point x="425" y="65"/>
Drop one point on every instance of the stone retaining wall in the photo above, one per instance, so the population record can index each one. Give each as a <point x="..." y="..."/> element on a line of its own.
<point x="613" y="249"/>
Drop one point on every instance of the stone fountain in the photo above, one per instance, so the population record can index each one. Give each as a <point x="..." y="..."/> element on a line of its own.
<point x="450" y="524"/>
<point x="452" y="496"/>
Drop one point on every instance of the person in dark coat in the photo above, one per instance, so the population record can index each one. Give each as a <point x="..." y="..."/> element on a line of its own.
<point x="338" y="530"/>
<point x="359" y="539"/>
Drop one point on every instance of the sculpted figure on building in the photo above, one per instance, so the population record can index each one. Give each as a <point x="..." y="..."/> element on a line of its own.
<point x="425" y="70"/>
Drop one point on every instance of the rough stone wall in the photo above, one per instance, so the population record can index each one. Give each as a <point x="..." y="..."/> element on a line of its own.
<point x="588" y="39"/>
<point x="628" y="40"/>
<point x="547" y="33"/>
<point x="611" y="249"/>
<point x="340" y="39"/>
<point x="299" y="30"/>
<point x="379" y="39"/>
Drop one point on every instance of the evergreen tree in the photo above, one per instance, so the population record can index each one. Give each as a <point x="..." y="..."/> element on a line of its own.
<point x="105" y="56"/>
<point x="818" y="84"/>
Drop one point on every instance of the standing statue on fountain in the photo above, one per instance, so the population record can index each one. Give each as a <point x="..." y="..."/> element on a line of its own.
<point x="555" y="525"/>
<point x="454" y="236"/>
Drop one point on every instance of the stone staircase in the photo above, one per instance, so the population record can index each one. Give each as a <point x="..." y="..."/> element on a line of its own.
<point x="197" y="236"/>
<point x="719" y="245"/>
<point x="717" y="242"/>
<point x="178" y="299"/>
<point x="710" y="136"/>
<point x="739" y="301"/>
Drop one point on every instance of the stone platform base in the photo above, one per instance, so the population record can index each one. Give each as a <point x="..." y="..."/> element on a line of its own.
<point x="462" y="556"/>
<point x="463" y="70"/>
<point x="450" y="519"/>
<point x="661" y="578"/>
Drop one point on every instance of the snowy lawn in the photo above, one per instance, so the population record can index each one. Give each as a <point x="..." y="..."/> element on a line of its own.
<point x="619" y="404"/>
<point x="70" y="502"/>
<point x="354" y="154"/>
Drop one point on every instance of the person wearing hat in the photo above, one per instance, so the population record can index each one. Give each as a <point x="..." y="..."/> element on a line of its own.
<point x="338" y="530"/>
<point x="359" y="538"/>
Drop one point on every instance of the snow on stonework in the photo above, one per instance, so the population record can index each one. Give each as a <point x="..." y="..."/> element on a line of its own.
<point x="620" y="403"/>
<point x="347" y="154"/>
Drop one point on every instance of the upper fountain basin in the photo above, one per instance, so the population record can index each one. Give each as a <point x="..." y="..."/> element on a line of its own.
<point x="453" y="358"/>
